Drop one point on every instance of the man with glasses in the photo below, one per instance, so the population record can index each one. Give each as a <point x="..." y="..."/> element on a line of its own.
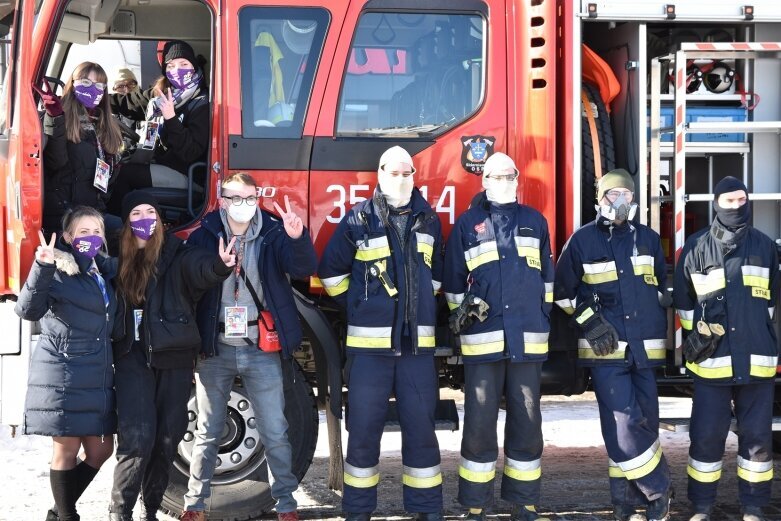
<point x="256" y="298"/>
<point x="383" y="265"/>
<point x="499" y="287"/>
<point x="611" y="278"/>
<point x="125" y="81"/>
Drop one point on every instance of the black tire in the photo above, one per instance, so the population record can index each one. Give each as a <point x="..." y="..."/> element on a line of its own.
<point x="606" y="148"/>
<point x="243" y="492"/>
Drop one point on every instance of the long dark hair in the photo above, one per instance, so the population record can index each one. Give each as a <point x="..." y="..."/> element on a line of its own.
<point x="137" y="265"/>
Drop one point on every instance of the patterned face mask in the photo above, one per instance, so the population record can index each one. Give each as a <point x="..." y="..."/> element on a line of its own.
<point x="143" y="228"/>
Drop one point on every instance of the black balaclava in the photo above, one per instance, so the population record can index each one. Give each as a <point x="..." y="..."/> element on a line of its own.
<point x="731" y="217"/>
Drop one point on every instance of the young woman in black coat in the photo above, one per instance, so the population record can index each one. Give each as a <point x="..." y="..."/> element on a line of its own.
<point x="70" y="390"/>
<point x="81" y="156"/>
<point x="156" y="341"/>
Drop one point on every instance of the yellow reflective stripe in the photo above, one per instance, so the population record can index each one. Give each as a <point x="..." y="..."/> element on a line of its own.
<point x="425" y="247"/>
<point x="655" y="348"/>
<point x="599" y="272"/>
<point x="587" y="314"/>
<point x="372" y="337"/>
<point x="454" y="300"/>
<point x="426" y="336"/>
<point x="421" y="478"/>
<point x="585" y="351"/>
<point x="482" y="343"/>
<point x="687" y="318"/>
<point x="643" y="265"/>
<point x="704" y="472"/>
<point x="477" y="472"/>
<point x="549" y="292"/>
<point x="481" y="254"/>
<point x="528" y="247"/>
<point x="613" y="470"/>
<point x="336" y="285"/>
<point x="315" y="282"/>
<point x="763" y="366"/>
<point x="372" y="249"/>
<point x="361" y="477"/>
<point x="567" y="305"/>
<point x="643" y="464"/>
<point x="522" y="470"/>
<point x="720" y="367"/>
<point x="756" y="276"/>
<point x="535" y="343"/>
<point x="755" y="471"/>
<point x="713" y="281"/>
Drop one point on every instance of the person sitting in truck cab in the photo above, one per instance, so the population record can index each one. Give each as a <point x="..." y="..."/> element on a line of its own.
<point x="80" y="159"/>
<point x="175" y="132"/>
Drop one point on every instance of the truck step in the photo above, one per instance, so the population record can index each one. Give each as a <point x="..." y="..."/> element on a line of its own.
<point x="682" y="424"/>
<point x="446" y="416"/>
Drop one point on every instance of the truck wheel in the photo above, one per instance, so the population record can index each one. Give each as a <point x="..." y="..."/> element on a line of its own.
<point x="240" y="488"/>
<point x="606" y="149"/>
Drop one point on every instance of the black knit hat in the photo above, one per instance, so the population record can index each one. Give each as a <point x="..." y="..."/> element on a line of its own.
<point x="728" y="184"/>
<point x="178" y="49"/>
<point x="135" y="198"/>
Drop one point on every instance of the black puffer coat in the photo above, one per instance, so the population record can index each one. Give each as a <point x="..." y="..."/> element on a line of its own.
<point x="70" y="388"/>
<point x="168" y="331"/>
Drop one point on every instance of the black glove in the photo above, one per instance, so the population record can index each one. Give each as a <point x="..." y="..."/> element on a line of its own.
<point x="666" y="299"/>
<point x="471" y="308"/>
<point x="598" y="332"/>
<point x="702" y="342"/>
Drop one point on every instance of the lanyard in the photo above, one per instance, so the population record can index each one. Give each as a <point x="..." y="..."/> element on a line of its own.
<point x="238" y="250"/>
<point x="95" y="274"/>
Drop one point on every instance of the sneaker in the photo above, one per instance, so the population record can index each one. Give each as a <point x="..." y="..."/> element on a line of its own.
<point x="659" y="509"/>
<point x="287" y="516"/>
<point x="626" y="513"/>
<point x="475" y="514"/>
<point x="193" y="515"/>
<point x="526" y="513"/>
<point x="753" y="514"/>
<point x="357" y="516"/>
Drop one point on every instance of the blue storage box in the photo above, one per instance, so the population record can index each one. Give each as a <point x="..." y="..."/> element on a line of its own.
<point x="666" y="115"/>
<point x="715" y="114"/>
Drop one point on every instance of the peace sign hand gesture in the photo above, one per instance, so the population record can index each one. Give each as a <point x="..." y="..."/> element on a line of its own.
<point x="45" y="252"/>
<point x="293" y="224"/>
<point x="165" y="102"/>
<point x="226" y="253"/>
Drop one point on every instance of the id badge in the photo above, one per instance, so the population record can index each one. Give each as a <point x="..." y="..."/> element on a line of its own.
<point x="149" y="133"/>
<point x="137" y="315"/>
<point x="102" y="174"/>
<point x="236" y="322"/>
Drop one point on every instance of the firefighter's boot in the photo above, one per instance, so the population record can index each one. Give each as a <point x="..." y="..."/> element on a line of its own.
<point x="526" y="513"/>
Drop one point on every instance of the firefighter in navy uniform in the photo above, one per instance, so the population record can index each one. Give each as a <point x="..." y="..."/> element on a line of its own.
<point x="611" y="278"/>
<point x="499" y="286"/>
<point x="726" y="284"/>
<point x="383" y="264"/>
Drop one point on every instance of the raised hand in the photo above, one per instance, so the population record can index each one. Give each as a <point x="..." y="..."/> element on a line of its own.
<point x="226" y="253"/>
<point x="294" y="226"/>
<point x="51" y="102"/>
<point x="45" y="251"/>
<point x="166" y="104"/>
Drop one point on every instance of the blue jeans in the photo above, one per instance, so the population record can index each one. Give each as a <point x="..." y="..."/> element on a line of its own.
<point x="261" y="374"/>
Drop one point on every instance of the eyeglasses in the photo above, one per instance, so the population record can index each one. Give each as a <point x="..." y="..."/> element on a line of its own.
<point x="128" y="85"/>
<point x="251" y="200"/>
<point x="86" y="82"/>
<point x="508" y="177"/>
<point x="612" y="195"/>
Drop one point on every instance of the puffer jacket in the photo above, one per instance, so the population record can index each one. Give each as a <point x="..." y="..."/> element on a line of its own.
<point x="168" y="331"/>
<point x="70" y="387"/>
<point x="366" y="241"/>
<point x="737" y="290"/>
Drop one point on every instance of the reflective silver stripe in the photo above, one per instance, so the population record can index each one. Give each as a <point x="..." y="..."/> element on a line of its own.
<point x="454" y="299"/>
<point x="655" y="343"/>
<point x="370" y="244"/>
<point x="426" y="330"/>
<point x="660" y="296"/>
<point x="567" y="305"/>
<point x="425" y="238"/>
<point x="369" y="332"/>
<point x="531" y="242"/>
<point x="583" y="344"/>
<point x="755" y="466"/>
<point x="771" y="311"/>
<point x="330" y="282"/>
<point x="702" y="466"/>
<point x="686" y="314"/>
<point x="713" y="363"/>
<point x="480" y="249"/>
<point x="640" y="460"/>
<point x="535" y="338"/>
<point x="764" y="361"/>
<point x="522" y="465"/>
<point x="478" y="467"/>
<point x="483" y="338"/>
<point x="758" y="271"/>
<point x="437" y="285"/>
<point x="428" y="472"/>
<point x="361" y="472"/>
<point x="599" y="267"/>
<point x="643" y="265"/>
<point x="713" y="281"/>
<point x="549" y="287"/>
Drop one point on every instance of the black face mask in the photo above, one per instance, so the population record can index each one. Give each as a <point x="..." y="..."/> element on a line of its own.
<point x="733" y="217"/>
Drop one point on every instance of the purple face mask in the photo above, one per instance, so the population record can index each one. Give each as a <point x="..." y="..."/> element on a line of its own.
<point x="180" y="78"/>
<point x="88" y="96"/>
<point x="88" y="245"/>
<point x="143" y="228"/>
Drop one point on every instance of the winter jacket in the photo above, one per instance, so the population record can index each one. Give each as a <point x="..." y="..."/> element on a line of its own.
<point x="501" y="254"/>
<point x="363" y="244"/>
<point x="184" y="139"/>
<point x="279" y="257"/>
<point x="168" y="332"/>
<point x="69" y="172"/>
<point x="622" y="267"/>
<point x="70" y="387"/>
<point x="737" y="290"/>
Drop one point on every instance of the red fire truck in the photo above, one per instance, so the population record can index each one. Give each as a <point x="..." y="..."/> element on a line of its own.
<point x="306" y="94"/>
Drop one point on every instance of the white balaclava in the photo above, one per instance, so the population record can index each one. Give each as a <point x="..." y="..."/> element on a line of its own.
<point x="500" y="191"/>
<point x="396" y="189"/>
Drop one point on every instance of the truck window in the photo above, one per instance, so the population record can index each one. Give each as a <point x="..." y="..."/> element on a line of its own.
<point x="279" y="50"/>
<point x="412" y="74"/>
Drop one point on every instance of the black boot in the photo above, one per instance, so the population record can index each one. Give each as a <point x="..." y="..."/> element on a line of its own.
<point x="357" y="516"/>
<point x="116" y="516"/>
<point x="429" y="516"/>
<point x="51" y="515"/>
